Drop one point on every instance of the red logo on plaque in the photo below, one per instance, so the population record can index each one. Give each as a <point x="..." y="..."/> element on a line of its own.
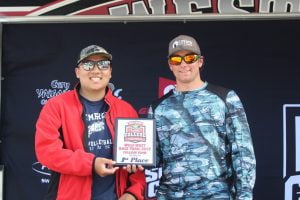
<point x="135" y="132"/>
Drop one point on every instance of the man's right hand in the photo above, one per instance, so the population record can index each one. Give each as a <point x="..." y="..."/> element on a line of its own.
<point x="104" y="166"/>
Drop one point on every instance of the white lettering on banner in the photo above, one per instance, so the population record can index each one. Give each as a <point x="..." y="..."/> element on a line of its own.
<point x="161" y="7"/>
<point x="281" y="6"/>
<point x="168" y="89"/>
<point x="292" y="188"/>
<point x="226" y="7"/>
<point x="116" y="92"/>
<point x="291" y="132"/>
<point x="139" y="8"/>
<point x="42" y="171"/>
<point x="152" y="189"/>
<point x="185" y="7"/>
<point x="152" y="180"/>
<point x="60" y="85"/>
<point x="119" y="10"/>
<point x="57" y="87"/>
<point x="157" y="7"/>
<point x="45" y="180"/>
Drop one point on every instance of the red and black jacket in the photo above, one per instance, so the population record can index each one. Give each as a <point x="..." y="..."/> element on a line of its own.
<point x="60" y="146"/>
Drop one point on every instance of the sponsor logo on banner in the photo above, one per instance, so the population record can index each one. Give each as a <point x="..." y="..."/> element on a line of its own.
<point x="116" y="91"/>
<point x="43" y="171"/>
<point x="291" y="149"/>
<point x="152" y="180"/>
<point x="164" y="86"/>
<point x="56" y="88"/>
<point x="146" y="7"/>
<point x="135" y="132"/>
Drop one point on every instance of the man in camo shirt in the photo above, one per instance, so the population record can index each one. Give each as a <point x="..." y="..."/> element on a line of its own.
<point x="204" y="144"/>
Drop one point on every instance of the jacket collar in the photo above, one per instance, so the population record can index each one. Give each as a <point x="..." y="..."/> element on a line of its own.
<point x="108" y="93"/>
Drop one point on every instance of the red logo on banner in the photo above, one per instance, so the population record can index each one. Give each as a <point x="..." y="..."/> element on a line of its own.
<point x="164" y="86"/>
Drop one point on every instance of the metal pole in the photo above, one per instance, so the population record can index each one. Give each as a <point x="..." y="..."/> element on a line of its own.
<point x="1" y="181"/>
<point x="148" y="18"/>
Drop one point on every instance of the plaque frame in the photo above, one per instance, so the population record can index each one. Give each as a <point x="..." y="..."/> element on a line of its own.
<point x="135" y="142"/>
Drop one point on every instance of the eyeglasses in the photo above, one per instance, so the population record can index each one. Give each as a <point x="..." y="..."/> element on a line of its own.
<point x="102" y="65"/>
<point x="188" y="59"/>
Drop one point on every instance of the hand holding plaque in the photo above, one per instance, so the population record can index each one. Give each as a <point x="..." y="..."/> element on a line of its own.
<point x="135" y="142"/>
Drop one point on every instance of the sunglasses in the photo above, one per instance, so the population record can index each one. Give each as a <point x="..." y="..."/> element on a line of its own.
<point x="188" y="59"/>
<point x="89" y="65"/>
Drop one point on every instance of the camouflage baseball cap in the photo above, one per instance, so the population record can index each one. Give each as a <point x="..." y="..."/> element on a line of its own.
<point x="184" y="42"/>
<point x="91" y="50"/>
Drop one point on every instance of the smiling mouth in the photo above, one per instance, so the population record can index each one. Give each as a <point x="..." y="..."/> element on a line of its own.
<point x="184" y="72"/>
<point x="96" y="78"/>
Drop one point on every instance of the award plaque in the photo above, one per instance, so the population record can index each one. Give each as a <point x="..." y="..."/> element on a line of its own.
<point x="135" y="142"/>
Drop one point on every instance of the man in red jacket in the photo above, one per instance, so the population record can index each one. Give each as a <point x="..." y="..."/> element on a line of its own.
<point x="75" y="134"/>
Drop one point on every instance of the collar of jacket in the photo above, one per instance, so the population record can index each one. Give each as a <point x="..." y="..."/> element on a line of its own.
<point x="107" y="97"/>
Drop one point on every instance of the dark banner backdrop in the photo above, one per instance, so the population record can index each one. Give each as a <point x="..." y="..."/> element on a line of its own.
<point x="258" y="59"/>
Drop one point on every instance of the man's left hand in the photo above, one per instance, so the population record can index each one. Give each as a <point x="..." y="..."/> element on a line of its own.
<point x="127" y="196"/>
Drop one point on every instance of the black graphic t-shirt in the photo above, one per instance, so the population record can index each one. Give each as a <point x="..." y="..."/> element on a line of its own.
<point x="100" y="144"/>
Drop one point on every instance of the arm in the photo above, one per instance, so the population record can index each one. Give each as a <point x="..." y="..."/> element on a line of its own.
<point x="127" y="196"/>
<point x="137" y="185"/>
<point x="49" y="145"/>
<point x="158" y="149"/>
<point x="131" y="185"/>
<point x="242" y="153"/>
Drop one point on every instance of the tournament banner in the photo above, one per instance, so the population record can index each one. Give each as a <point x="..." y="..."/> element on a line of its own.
<point x="148" y="7"/>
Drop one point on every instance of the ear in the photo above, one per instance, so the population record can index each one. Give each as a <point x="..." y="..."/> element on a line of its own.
<point x="170" y="66"/>
<point x="77" y="72"/>
<point x="201" y="62"/>
<point x="110" y="73"/>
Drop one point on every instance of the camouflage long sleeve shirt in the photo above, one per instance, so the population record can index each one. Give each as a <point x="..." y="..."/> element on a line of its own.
<point x="204" y="145"/>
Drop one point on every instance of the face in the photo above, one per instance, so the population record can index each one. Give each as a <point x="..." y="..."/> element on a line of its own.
<point x="186" y="73"/>
<point x="94" y="80"/>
